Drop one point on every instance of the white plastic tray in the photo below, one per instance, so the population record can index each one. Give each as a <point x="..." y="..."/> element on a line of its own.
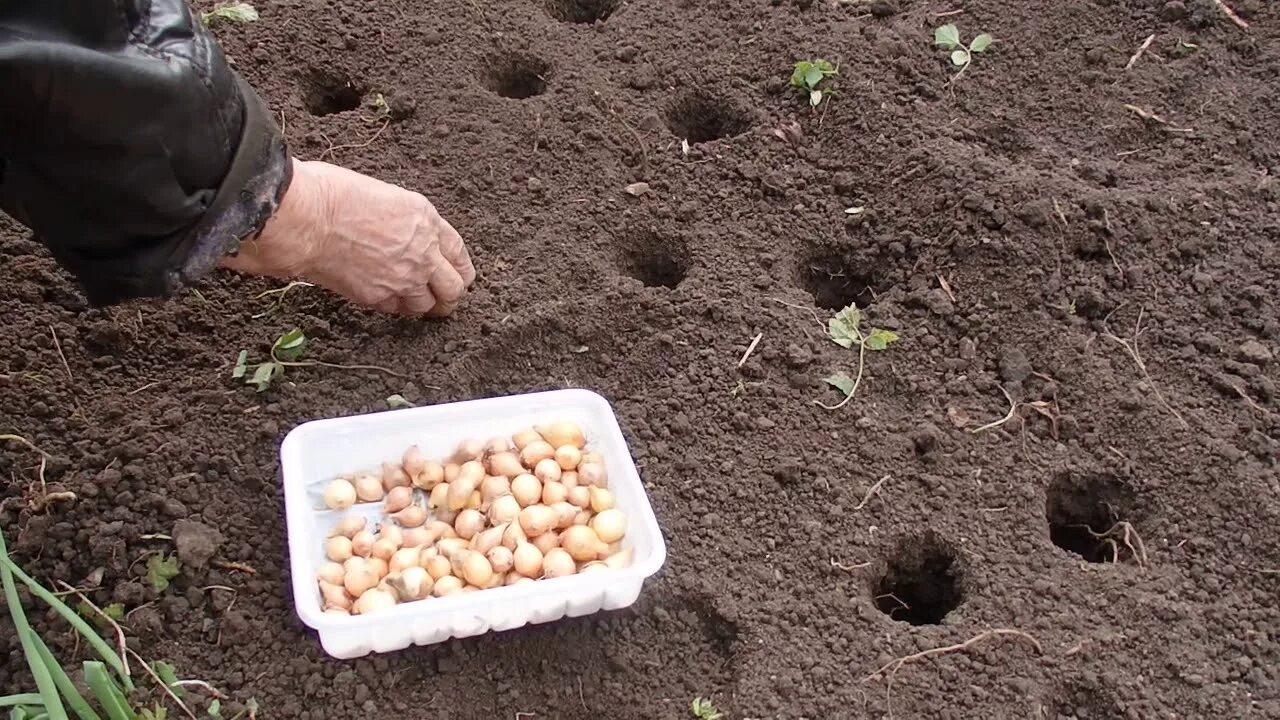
<point x="318" y="451"/>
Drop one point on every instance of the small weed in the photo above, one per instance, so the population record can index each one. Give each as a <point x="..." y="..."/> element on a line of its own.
<point x="809" y="74"/>
<point x="284" y="351"/>
<point x="947" y="37"/>
<point x="397" y="402"/>
<point x="160" y="570"/>
<point x="845" y="330"/>
<point x="380" y="105"/>
<point x="1184" y="48"/>
<point x="115" y="611"/>
<point x="703" y="709"/>
<point x="233" y="12"/>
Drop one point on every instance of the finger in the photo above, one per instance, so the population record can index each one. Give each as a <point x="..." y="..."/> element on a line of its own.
<point x="390" y="305"/>
<point x="420" y="302"/>
<point x="453" y="247"/>
<point x="447" y="286"/>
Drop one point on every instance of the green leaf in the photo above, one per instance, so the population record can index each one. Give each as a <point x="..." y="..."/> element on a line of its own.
<point x="959" y="57"/>
<point x="841" y="382"/>
<point x="115" y="611"/>
<point x="160" y="570"/>
<point x="236" y="12"/>
<point x="168" y="675"/>
<point x="947" y="36"/>
<point x="21" y="699"/>
<point x="215" y="708"/>
<point x="843" y="328"/>
<point x="105" y="690"/>
<point x="980" y="43"/>
<point x="879" y="339"/>
<point x="289" y="346"/>
<point x="825" y="66"/>
<point x="797" y="77"/>
<point x="813" y="76"/>
<point x="241" y="365"/>
<point x="265" y="375"/>
<point x="28" y="639"/>
<point x="815" y="98"/>
<point x="397" y="402"/>
<point x="78" y="704"/>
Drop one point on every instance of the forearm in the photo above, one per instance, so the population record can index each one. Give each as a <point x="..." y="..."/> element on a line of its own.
<point x="128" y="145"/>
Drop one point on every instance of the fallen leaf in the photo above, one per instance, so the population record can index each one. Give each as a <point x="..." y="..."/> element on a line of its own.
<point x="857" y="210"/>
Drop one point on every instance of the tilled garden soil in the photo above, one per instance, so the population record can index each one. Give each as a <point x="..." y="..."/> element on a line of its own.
<point x="1091" y="238"/>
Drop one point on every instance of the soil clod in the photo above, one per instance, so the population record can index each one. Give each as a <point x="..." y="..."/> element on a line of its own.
<point x="922" y="582"/>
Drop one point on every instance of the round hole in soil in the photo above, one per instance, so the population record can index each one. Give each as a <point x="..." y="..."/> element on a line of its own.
<point x="921" y="583"/>
<point x="327" y="93"/>
<point x="701" y="118"/>
<point x="518" y="76"/>
<point x="655" y="260"/>
<point x="581" y="11"/>
<point x="836" y="285"/>
<point x="1089" y="517"/>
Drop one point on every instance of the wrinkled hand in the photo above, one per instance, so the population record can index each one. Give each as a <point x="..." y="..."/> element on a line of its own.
<point x="377" y="244"/>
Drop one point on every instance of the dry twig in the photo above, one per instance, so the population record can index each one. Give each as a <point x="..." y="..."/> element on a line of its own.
<point x="872" y="491"/>
<point x="1232" y="14"/>
<point x="334" y="148"/>
<point x="1152" y="117"/>
<point x="1131" y="346"/>
<point x="1141" y="50"/>
<point x="892" y="667"/>
<point x="124" y="658"/>
<point x="750" y="349"/>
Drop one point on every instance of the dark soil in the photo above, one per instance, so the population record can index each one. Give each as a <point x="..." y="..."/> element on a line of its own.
<point x="1017" y="226"/>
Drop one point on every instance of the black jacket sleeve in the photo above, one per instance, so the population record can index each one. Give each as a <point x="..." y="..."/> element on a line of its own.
<point x="128" y="145"/>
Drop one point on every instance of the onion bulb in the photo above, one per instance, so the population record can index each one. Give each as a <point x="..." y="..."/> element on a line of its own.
<point x="379" y="566"/>
<point x="505" y="464"/>
<point x="592" y="474"/>
<point x="432" y="475"/>
<point x="499" y="557"/>
<point x="394" y="476"/>
<point x="373" y="601"/>
<point x="414" y="461"/>
<point x="368" y="487"/>
<point x="476" y="501"/>
<point x="337" y="548"/>
<point x="491" y="538"/>
<point x="383" y="549"/>
<point x="554" y="492"/>
<point x="514" y="578"/>
<point x="565" y="512"/>
<point x="447" y="585"/>
<point x="497" y="445"/>
<point x="558" y="563"/>
<point x="593" y="566"/>
<point x="448" y="547"/>
<point x="439" y="529"/>
<point x="546" y="541"/>
<point x="583" y="517"/>
<point x="468" y="523"/>
<point x="547" y="470"/>
<point x="339" y="494"/>
<point x="473" y="567"/>
<point x="439" y="496"/>
<point x="413" y="583"/>
<point x="579" y="496"/>
<point x="569" y="478"/>
<point x="415" y="537"/>
<point x="348" y="527"/>
<point x="513" y="536"/>
<point x="536" y="452"/>
<point x="523" y="438"/>
<point x="494" y="486"/>
<point x="403" y="558"/>
<point x="503" y="509"/>
<point x="460" y="490"/>
<point x="438" y="566"/>
<point x="562" y="433"/>
<point x="411" y="517"/>
<point x="527" y="489"/>
<point x="358" y="580"/>
<point x="362" y="543"/>
<point x="527" y="560"/>
<point x="387" y="531"/>
<point x="451" y="471"/>
<point x="568" y="457"/>
<point x="621" y="559"/>
<point x="610" y="525"/>
<point x="335" y="595"/>
<point x="536" y="520"/>
<point x="398" y="498"/>
<point x="582" y="543"/>
<point x="331" y="572"/>
<point x="601" y="499"/>
<point x="468" y="450"/>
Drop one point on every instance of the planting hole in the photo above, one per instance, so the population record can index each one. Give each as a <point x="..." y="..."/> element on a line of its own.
<point x="327" y="93"/>
<point x="699" y="119"/>
<point x="1089" y="518"/>
<point x="655" y="260"/>
<point x="834" y="285"/>
<point x="921" y="583"/>
<point x="581" y="11"/>
<point x="518" y="76"/>
<point x="1084" y="701"/>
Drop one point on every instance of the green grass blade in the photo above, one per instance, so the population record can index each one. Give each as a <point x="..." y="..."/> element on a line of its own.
<point x="21" y="699"/>
<point x="70" y="693"/>
<point x="106" y="691"/>
<point x="44" y="681"/>
<point x="86" y="631"/>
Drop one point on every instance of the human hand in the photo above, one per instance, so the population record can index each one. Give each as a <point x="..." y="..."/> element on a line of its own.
<point x="377" y="244"/>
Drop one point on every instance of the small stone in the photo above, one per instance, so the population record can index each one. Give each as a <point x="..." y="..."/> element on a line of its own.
<point x="174" y="508"/>
<point x="1173" y="10"/>
<point x="1254" y="352"/>
<point x="1014" y="365"/>
<point x="195" y="542"/>
<point x="534" y="185"/>
<point x="884" y="8"/>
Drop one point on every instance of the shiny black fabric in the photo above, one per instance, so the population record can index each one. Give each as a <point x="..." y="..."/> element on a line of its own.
<point x="128" y="145"/>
